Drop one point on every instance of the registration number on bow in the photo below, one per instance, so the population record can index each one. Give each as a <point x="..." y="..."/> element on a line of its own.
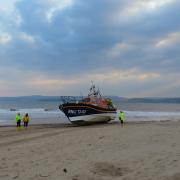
<point x="75" y="112"/>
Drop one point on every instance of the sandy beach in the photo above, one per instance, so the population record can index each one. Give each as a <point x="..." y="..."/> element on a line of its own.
<point x="148" y="150"/>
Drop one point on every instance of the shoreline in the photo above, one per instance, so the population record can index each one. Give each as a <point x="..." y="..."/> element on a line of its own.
<point x="145" y="150"/>
<point x="68" y="123"/>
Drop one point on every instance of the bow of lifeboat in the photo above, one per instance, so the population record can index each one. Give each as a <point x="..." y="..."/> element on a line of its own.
<point x="88" y="113"/>
<point x="92" y="109"/>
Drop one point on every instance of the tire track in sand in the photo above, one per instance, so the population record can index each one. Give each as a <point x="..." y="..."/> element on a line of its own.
<point x="34" y="136"/>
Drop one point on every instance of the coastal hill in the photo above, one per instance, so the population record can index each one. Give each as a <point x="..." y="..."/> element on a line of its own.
<point x="115" y="99"/>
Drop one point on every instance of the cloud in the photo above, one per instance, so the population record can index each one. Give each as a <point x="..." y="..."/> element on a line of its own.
<point x="5" y="38"/>
<point x="38" y="83"/>
<point x="170" y="40"/>
<point x="56" y="6"/>
<point x="71" y="42"/>
<point x="27" y="38"/>
<point x="141" y="6"/>
<point x="117" y="49"/>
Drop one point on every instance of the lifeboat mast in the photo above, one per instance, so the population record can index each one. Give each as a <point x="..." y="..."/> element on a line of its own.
<point x="93" y="92"/>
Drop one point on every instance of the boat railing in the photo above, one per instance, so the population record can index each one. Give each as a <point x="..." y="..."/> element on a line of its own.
<point x="102" y="102"/>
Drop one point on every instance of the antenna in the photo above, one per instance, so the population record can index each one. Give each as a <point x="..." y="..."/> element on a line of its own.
<point x="81" y="94"/>
<point x="99" y="92"/>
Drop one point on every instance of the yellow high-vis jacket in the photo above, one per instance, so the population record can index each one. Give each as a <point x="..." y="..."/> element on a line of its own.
<point x="26" y="119"/>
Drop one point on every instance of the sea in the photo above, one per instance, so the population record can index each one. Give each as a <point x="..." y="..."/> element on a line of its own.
<point x="44" y="110"/>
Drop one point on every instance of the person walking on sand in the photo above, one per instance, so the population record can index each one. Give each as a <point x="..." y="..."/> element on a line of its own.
<point x="121" y="117"/>
<point x="18" y="120"/>
<point x="26" y="120"/>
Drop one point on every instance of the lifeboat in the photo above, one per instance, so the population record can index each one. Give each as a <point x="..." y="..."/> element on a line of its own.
<point x="89" y="110"/>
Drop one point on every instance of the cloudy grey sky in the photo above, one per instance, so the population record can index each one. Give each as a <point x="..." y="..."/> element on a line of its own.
<point x="128" y="48"/>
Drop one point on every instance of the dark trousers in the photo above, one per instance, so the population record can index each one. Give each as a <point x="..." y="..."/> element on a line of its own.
<point x="19" y="123"/>
<point x="121" y="120"/>
<point x="25" y="124"/>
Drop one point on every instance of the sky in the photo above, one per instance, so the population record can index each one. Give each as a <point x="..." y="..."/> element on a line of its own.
<point x="129" y="48"/>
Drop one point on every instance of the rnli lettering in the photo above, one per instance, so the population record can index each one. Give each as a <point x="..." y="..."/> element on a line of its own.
<point x="71" y="111"/>
<point x="76" y="112"/>
<point x="81" y="111"/>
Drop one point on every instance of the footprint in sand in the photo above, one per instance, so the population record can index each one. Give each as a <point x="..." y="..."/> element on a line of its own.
<point x="108" y="169"/>
<point x="83" y="177"/>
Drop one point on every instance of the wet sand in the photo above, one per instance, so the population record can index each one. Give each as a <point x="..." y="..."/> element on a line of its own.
<point x="136" y="151"/>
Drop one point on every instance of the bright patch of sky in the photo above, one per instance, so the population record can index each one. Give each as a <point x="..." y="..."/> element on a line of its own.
<point x="8" y="5"/>
<point x="57" y="5"/>
<point x="170" y="40"/>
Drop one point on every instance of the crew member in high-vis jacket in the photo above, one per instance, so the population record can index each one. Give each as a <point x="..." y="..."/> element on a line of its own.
<point x="18" y="120"/>
<point x="121" y="117"/>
